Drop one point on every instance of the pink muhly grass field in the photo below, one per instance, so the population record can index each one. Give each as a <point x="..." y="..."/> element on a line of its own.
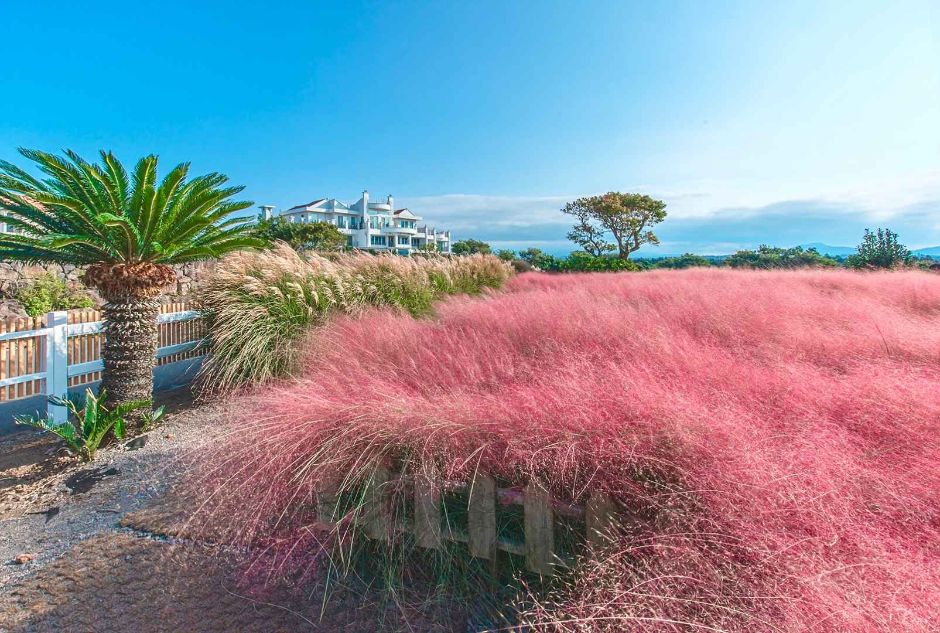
<point x="777" y="435"/>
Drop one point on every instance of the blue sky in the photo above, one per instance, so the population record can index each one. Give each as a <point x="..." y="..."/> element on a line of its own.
<point x="757" y="122"/>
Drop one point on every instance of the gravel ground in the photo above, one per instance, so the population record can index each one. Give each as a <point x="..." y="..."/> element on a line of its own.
<point x="95" y="561"/>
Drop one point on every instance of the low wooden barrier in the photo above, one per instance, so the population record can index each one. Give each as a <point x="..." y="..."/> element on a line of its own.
<point x="482" y="537"/>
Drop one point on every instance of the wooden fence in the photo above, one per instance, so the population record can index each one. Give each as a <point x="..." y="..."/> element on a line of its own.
<point x="42" y="355"/>
<point x="481" y="532"/>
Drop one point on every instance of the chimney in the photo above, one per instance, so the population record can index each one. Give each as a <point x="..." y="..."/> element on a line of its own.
<point x="391" y="202"/>
<point x="365" y="200"/>
<point x="267" y="211"/>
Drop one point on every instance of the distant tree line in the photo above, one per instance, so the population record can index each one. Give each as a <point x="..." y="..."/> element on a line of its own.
<point x="880" y="249"/>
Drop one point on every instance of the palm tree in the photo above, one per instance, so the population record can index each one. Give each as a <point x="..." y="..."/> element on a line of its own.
<point x="128" y="232"/>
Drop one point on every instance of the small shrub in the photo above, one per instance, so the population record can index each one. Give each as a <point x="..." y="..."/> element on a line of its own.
<point x="91" y="422"/>
<point x="47" y="293"/>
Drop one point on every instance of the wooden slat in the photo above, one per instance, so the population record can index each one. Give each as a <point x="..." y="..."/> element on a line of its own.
<point x="482" y="517"/>
<point x="377" y="520"/>
<point x="539" y="529"/>
<point x="599" y="518"/>
<point x="326" y="506"/>
<point x="427" y="525"/>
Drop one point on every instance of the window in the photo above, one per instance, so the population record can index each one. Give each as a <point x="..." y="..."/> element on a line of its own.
<point x="341" y="221"/>
<point x="377" y="240"/>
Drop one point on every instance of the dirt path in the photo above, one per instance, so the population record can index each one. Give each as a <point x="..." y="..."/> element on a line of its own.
<point x="87" y="571"/>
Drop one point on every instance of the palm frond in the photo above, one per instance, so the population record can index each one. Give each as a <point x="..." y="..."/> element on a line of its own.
<point x="82" y="212"/>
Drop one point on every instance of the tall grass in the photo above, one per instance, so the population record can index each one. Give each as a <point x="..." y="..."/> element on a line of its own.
<point x="774" y="438"/>
<point x="260" y="304"/>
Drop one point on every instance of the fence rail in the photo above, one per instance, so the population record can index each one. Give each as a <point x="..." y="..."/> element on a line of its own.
<point x="482" y="532"/>
<point x="47" y="355"/>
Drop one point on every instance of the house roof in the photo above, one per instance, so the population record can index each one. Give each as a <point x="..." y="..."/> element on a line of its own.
<point x="406" y="213"/>
<point x="309" y="204"/>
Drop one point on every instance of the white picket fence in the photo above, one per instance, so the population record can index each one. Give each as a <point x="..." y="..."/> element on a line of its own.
<point x="49" y="359"/>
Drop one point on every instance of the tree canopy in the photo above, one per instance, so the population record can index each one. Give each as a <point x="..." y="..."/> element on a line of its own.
<point x="627" y="217"/>
<point x="319" y="236"/>
<point x="880" y="249"/>
<point x="766" y="257"/>
<point x="471" y="247"/>
<point x="85" y="213"/>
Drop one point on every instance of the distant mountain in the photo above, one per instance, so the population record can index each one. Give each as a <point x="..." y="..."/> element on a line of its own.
<point x="829" y="249"/>
<point x="930" y="251"/>
<point x="842" y="251"/>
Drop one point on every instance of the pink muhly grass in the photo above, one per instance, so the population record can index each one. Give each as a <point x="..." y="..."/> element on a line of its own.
<point x="775" y="435"/>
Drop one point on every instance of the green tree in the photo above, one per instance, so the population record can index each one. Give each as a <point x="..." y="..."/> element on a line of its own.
<point x="688" y="260"/>
<point x="471" y="247"/>
<point x="768" y="257"/>
<point x="530" y="255"/>
<point x="318" y="236"/>
<point x="626" y="216"/>
<point x="127" y="230"/>
<point x="880" y="249"/>
<point x="586" y="233"/>
<point x="505" y="254"/>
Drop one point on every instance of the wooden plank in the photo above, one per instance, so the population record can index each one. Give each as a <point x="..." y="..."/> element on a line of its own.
<point x="326" y="506"/>
<point x="539" y="529"/>
<point x="482" y="517"/>
<point x="377" y="520"/>
<point x="599" y="518"/>
<point x="427" y="488"/>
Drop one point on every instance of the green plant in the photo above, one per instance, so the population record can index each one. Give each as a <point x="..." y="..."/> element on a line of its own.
<point x="151" y="418"/>
<point x="880" y="249"/>
<point x="91" y="422"/>
<point x="506" y="254"/>
<point x="128" y="230"/>
<point x="49" y="292"/>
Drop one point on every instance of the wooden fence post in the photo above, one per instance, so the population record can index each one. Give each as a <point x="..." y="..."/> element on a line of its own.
<point x="539" y="529"/>
<point x="326" y="506"/>
<point x="481" y="519"/>
<point x="428" y="510"/>
<point x="599" y="518"/>
<point x="57" y="363"/>
<point x="378" y="519"/>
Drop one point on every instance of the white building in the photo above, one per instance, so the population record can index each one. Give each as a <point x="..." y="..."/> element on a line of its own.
<point x="376" y="226"/>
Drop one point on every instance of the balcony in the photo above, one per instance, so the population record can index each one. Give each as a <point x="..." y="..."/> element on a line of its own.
<point x="398" y="230"/>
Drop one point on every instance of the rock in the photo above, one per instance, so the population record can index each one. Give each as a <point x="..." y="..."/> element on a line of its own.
<point x="138" y="442"/>
<point x="22" y="559"/>
<point x="10" y="309"/>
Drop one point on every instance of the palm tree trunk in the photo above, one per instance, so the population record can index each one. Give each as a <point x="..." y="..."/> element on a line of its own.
<point x="130" y="347"/>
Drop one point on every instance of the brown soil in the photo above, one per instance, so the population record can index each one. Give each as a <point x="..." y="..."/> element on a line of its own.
<point x="120" y="582"/>
<point x="105" y="559"/>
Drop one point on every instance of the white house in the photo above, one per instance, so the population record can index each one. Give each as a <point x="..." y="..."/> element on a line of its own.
<point x="368" y="225"/>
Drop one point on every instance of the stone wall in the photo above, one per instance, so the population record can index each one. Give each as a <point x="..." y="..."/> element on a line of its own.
<point x="15" y="274"/>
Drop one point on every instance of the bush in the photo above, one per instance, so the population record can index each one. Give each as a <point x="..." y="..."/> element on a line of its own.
<point x="688" y="260"/>
<point x="259" y="305"/>
<point x="49" y="292"/>
<point x="880" y="249"/>
<point x="769" y="257"/>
